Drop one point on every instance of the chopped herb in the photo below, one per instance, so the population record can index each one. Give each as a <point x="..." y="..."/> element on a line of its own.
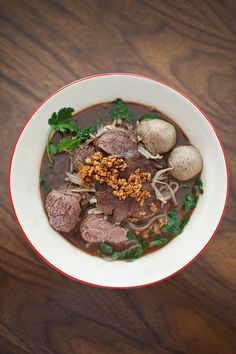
<point x="198" y="185"/>
<point x="137" y="254"/>
<point x="68" y="144"/>
<point x="159" y="242"/>
<point x="130" y="235"/>
<point x="144" y="242"/>
<point x="62" y="120"/>
<point x="189" y="202"/>
<point x="184" y="222"/>
<point x="173" y="227"/>
<point x="148" y="116"/>
<point x="105" y="248"/>
<point x="86" y="133"/>
<point x="152" y="234"/>
<point x="121" y="111"/>
<point x="183" y="185"/>
<point x="121" y="255"/>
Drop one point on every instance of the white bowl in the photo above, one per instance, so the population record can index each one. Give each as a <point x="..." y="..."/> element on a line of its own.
<point x="59" y="253"/>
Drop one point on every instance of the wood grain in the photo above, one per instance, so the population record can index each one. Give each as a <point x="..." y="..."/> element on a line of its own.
<point x="46" y="44"/>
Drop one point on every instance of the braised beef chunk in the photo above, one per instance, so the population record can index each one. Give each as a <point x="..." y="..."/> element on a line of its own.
<point x="120" y="210"/>
<point x="118" y="142"/>
<point x="63" y="210"/>
<point x="95" y="229"/>
<point x="80" y="155"/>
<point x="138" y="162"/>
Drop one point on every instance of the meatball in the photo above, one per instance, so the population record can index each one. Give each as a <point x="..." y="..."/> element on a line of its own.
<point x="157" y="135"/>
<point x="187" y="162"/>
<point x="63" y="210"/>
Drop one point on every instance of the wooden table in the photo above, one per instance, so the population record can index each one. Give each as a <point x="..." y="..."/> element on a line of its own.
<point x="46" y="44"/>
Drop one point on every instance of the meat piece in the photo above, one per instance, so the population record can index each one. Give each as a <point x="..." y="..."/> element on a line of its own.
<point x="120" y="210"/>
<point x="95" y="229"/>
<point x="141" y="162"/>
<point x="118" y="142"/>
<point x="63" y="210"/>
<point x="81" y="154"/>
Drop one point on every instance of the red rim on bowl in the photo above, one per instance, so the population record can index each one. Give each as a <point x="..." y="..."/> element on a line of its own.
<point x="103" y="286"/>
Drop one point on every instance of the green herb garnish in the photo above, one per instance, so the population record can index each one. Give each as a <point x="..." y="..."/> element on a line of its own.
<point x="105" y="248"/>
<point x="121" y="255"/>
<point x="68" y="144"/>
<point x="137" y="254"/>
<point x="152" y="234"/>
<point x="148" y="116"/>
<point x="130" y="235"/>
<point x="86" y="133"/>
<point x="159" y="242"/>
<point x="144" y="242"/>
<point x="198" y="185"/>
<point x="62" y="120"/>
<point x="173" y="227"/>
<point x="121" y="111"/>
<point x="190" y="202"/>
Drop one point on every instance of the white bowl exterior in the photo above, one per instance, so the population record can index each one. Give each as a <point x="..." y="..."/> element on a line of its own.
<point x="24" y="183"/>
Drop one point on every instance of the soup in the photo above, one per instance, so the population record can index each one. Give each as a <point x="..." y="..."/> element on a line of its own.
<point x="119" y="180"/>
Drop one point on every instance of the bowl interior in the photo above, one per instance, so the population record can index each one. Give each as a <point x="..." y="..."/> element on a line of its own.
<point x="24" y="183"/>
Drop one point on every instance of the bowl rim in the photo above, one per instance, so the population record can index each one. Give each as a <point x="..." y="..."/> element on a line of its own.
<point x="132" y="75"/>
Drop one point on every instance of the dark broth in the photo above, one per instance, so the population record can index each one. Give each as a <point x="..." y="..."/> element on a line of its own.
<point x="53" y="176"/>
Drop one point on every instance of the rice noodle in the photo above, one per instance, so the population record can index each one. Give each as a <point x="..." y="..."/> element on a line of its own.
<point x="172" y="192"/>
<point x="82" y="190"/>
<point x="157" y="178"/>
<point x="145" y="227"/>
<point x="159" y="173"/>
<point x="147" y="154"/>
<point x="106" y="128"/>
<point x="71" y="164"/>
<point x="73" y="178"/>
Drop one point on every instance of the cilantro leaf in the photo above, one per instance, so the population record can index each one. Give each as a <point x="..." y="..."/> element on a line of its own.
<point x="130" y="235"/>
<point x="62" y="120"/>
<point x="137" y="254"/>
<point x="68" y="144"/>
<point x="152" y="234"/>
<point x="86" y="133"/>
<point x="148" y="116"/>
<point x="159" y="242"/>
<point x="189" y="202"/>
<point x="121" y="111"/>
<point x="105" y="248"/>
<point x="198" y="185"/>
<point x="173" y="227"/>
<point x="121" y="255"/>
